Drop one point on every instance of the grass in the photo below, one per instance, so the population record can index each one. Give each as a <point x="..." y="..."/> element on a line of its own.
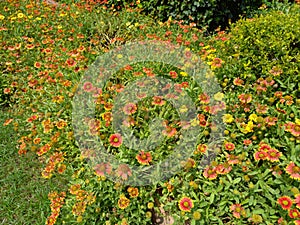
<point x="23" y="192"/>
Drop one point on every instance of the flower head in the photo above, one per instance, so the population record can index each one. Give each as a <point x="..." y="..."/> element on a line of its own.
<point x="293" y="171"/>
<point x="285" y="202"/>
<point x="115" y="140"/>
<point x="185" y="204"/>
<point x="144" y="158"/>
<point x="123" y="202"/>
<point x="238" y="210"/>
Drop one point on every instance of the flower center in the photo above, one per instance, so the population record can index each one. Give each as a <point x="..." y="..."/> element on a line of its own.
<point x="186" y="204"/>
<point x="296" y="169"/>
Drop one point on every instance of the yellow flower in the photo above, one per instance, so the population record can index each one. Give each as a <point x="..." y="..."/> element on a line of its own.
<point x="297" y="121"/>
<point x="2" y="17"/>
<point x="218" y="96"/>
<point x="248" y="128"/>
<point x="184" y="74"/>
<point x="183" y="109"/>
<point x="196" y="215"/>
<point x="227" y="118"/>
<point x="119" y="56"/>
<point x="256" y="219"/>
<point x="59" y="26"/>
<point x="253" y="117"/>
<point x="20" y="15"/>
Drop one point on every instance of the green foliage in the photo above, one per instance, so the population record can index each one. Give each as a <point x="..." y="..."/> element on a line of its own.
<point x="211" y="13"/>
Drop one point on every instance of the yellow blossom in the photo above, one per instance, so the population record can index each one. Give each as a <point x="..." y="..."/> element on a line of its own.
<point x="253" y="117"/>
<point x="297" y="121"/>
<point x="218" y="96"/>
<point x="20" y="15"/>
<point x="184" y="74"/>
<point x="2" y="17"/>
<point x="227" y="118"/>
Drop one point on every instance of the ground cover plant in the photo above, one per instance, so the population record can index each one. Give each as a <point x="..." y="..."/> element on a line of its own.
<point x="254" y="177"/>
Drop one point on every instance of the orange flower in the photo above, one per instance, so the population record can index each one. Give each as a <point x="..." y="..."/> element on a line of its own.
<point x="130" y="108"/>
<point x="157" y="100"/>
<point x="245" y="98"/>
<point x="238" y="210"/>
<point x="201" y="148"/>
<point x="61" y="124"/>
<point x="61" y="168"/>
<point x="123" y="171"/>
<point x="37" y="65"/>
<point x="294" y="213"/>
<point x="123" y="202"/>
<point x="115" y="140"/>
<point x="44" y="149"/>
<point x="273" y="155"/>
<point x="285" y="202"/>
<point x="6" y="90"/>
<point x="78" y="208"/>
<point x="185" y="204"/>
<point x="102" y="168"/>
<point x="229" y="146"/>
<point x="144" y="158"/>
<point x="71" y="62"/>
<point x="133" y="192"/>
<point x="8" y="121"/>
<point x="74" y="189"/>
<point x="293" y="171"/>
<point x="295" y="130"/>
<point x="210" y="173"/>
<point x="260" y="155"/>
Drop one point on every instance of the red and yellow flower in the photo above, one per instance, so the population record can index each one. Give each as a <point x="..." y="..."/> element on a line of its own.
<point x="285" y="202"/>
<point x="185" y="204"/>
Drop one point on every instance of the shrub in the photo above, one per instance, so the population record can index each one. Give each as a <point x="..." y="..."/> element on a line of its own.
<point x="212" y="13"/>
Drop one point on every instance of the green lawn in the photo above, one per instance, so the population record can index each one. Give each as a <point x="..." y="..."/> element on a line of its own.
<point x="23" y="193"/>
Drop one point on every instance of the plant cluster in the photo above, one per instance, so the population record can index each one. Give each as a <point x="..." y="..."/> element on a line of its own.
<point x="254" y="175"/>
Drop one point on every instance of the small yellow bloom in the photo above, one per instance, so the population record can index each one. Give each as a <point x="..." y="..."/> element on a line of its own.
<point x="253" y="117"/>
<point x="184" y="74"/>
<point x="297" y="121"/>
<point x="20" y="15"/>
<point x="218" y="96"/>
<point x="183" y="109"/>
<point x="38" y="18"/>
<point x="196" y="215"/>
<point x="2" y="17"/>
<point x="59" y="26"/>
<point x="119" y="56"/>
<point x="227" y="118"/>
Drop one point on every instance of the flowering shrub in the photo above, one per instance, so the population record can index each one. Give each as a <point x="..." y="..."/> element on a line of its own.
<point x="254" y="177"/>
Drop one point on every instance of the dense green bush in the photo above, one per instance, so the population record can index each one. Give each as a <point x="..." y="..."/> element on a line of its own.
<point x="211" y="13"/>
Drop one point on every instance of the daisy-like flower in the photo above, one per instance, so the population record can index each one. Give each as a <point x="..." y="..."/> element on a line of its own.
<point x="210" y="173"/>
<point x="130" y="108"/>
<point x="285" y="202"/>
<point x="247" y="142"/>
<point x="37" y="65"/>
<point x="260" y="155"/>
<point x="204" y="98"/>
<point x="102" y="168"/>
<point x="228" y="118"/>
<point x="238" y="210"/>
<point x="71" y="62"/>
<point x="88" y="87"/>
<point x="295" y="130"/>
<point x="173" y="74"/>
<point x="238" y="82"/>
<point x="245" y="98"/>
<point x="144" y="158"/>
<point x="294" y="213"/>
<point x="185" y="204"/>
<point x="293" y="171"/>
<point x="169" y="131"/>
<point x="157" y="100"/>
<point x="233" y="159"/>
<point x="297" y="222"/>
<point x="123" y="171"/>
<point x="264" y="147"/>
<point x="201" y="148"/>
<point x="273" y="155"/>
<point x="297" y="200"/>
<point x="271" y="121"/>
<point x="115" y="140"/>
<point x="133" y="192"/>
<point x="224" y="168"/>
<point x="123" y="202"/>
<point x="229" y="146"/>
